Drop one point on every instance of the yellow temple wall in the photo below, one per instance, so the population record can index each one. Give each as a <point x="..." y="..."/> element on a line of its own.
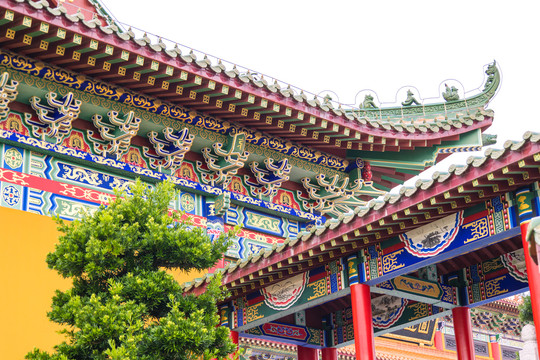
<point x="28" y="285"/>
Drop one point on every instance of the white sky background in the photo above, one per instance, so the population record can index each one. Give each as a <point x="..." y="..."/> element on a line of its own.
<point x="349" y="46"/>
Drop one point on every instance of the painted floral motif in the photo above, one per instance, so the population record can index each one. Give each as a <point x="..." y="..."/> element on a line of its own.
<point x="433" y="238"/>
<point x="285" y="293"/>
<point x="11" y="195"/>
<point x="515" y="263"/>
<point x="13" y="158"/>
<point x="387" y="310"/>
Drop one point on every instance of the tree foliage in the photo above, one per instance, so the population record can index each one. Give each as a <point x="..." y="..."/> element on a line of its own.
<point x="123" y="305"/>
<point x="525" y="310"/>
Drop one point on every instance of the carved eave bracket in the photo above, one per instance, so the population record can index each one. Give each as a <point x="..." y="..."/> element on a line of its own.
<point x="54" y="120"/>
<point x="116" y="133"/>
<point x="335" y="196"/>
<point x="339" y="195"/>
<point x="170" y="150"/>
<point x="223" y="160"/>
<point x="271" y="176"/>
<point x="8" y="93"/>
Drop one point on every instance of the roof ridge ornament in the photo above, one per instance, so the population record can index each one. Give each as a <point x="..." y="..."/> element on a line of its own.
<point x="491" y="72"/>
<point x="368" y="102"/>
<point x="450" y="93"/>
<point x="410" y="99"/>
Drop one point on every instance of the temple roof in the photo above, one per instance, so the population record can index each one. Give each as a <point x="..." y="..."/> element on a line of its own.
<point x="415" y="133"/>
<point x="497" y="172"/>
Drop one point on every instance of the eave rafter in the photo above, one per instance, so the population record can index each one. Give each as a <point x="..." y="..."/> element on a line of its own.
<point x="151" y="68"/>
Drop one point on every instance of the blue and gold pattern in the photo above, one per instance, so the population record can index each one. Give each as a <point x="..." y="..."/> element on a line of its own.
<point x="63" y="77"/>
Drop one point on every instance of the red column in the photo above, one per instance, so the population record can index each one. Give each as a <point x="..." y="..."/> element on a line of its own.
<point x="329" y="354"/>
<point x="305" y="353"/>
<point x="438" y="340"/>
<point x="364" y="340"/>
<point x="234" y="338"/>
<point x="495" y="350"/>
<point x="533" y="275"/>
<point x="463" y="332"/>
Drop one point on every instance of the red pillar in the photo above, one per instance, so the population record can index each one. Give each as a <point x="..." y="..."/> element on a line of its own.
<point x="234" y="337"/>
<point x="463" y="332"/>
<point x="495" y="350"/>
<point x="305" y="353"/>
<point x="329" y="354"/>
<point x="364" y="340"/>
<point x="438" y="340"/>
<point x="533" y="275"/>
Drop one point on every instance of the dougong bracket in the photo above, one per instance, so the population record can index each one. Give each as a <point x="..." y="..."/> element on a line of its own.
<point x="223" y="160"/>
<point x="117" y="133"/>
<point x="334" y="197"/>
<point x="271" y="176"/>
<point x="171" y="150"/>
<point x="8" y="93"/>
<point x="54" y="120"/>
<point x="340" y="195"/>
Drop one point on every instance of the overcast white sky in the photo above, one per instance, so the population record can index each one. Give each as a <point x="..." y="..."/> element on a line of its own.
<point x="349" y="46"/>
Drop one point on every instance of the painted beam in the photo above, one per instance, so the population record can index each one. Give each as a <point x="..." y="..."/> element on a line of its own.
<point x="303" y="291"/>
<point x="438" y="241"/>
<point x="135" y="171"/>
<point x="429" y="292"/>
<point x="494" y="289"/>
<point x="389" y="318"/>
<point x="288" y="333"/>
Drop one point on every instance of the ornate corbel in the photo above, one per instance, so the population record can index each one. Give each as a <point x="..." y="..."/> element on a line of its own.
<point x="8" y="93"/>
<point x="171" y="150"/>
<point x="116" y="133"/>
<point x="54" y="119"/>
<point x="271" y="176"/>
<point x="339" y="195"/>
<point x="223" y="160"/>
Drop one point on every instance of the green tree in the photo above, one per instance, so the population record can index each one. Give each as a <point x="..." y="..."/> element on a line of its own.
<point x="525" y="310"/>
<point x="123" y="305"/>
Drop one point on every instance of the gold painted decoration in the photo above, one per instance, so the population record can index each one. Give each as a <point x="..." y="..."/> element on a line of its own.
<point x="54" y="119"/>
<point x="36" y="73"/>
<point x="116" y="133"/>
<point x="13" y="122"/>
<point x="8" y="93"/>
